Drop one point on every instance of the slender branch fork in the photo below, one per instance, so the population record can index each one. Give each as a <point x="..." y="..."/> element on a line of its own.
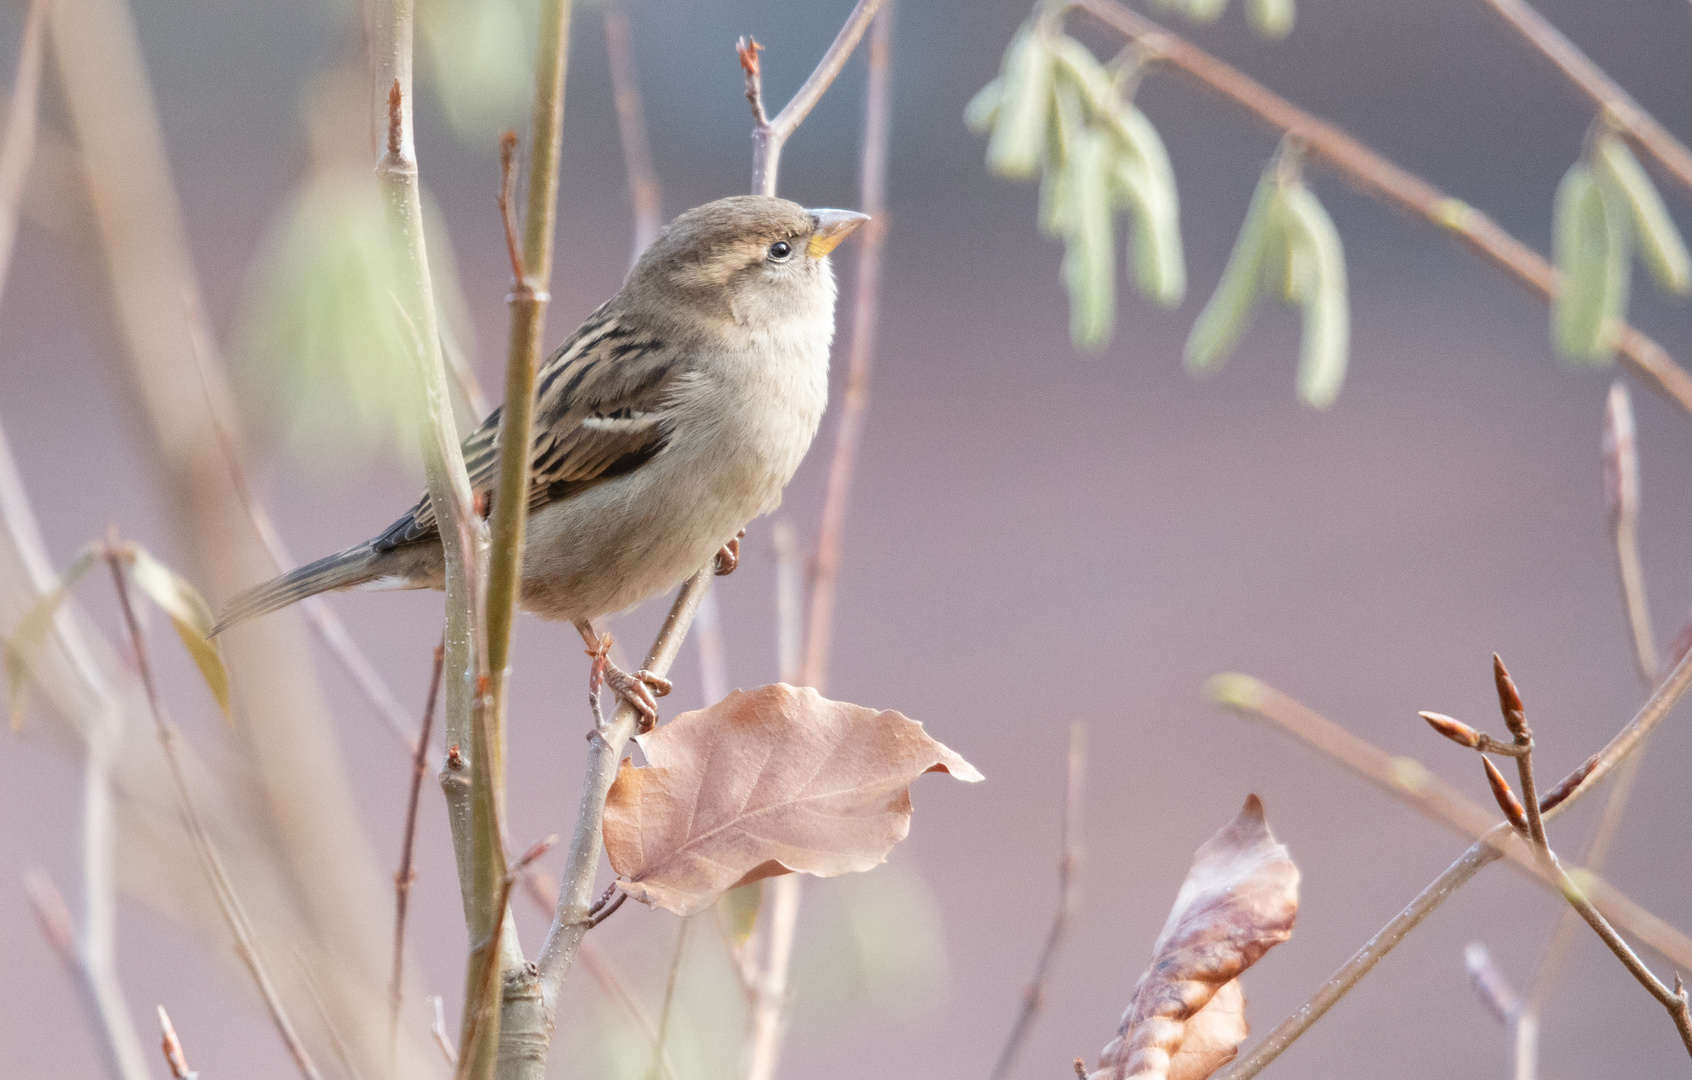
<point x="406" y="874"/>
<point x="1486" y="850"/>
<point x="222" y="887"/>
<point x="1384" y="181"/>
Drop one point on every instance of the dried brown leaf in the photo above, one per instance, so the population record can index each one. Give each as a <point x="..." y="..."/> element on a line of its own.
<point x="764" y="782"/>
<point x="1187" y="1017"/>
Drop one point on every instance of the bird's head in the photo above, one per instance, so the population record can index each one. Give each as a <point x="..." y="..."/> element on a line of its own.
<point x="753" y="260"/>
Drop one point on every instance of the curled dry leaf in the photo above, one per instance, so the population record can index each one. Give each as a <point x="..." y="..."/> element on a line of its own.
<point x="764" y="782"/>
<point x="1187" y="1017"/>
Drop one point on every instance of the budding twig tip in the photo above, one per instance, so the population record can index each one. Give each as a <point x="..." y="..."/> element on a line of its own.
<point x="1453" y="729"/>
<point x="1505" y="796"/>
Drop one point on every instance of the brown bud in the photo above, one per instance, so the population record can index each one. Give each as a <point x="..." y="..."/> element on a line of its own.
<point x="1455" y="730"/>
<point x="1510" y="701"/>
<point x="1081" y="1066"/>
<point x="1507" y="800"/>
<point x="1566" y="786"/>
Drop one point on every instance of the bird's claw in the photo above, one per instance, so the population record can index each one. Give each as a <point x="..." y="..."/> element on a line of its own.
<point x="641" y="689"/>
<point x="729" y="556"/>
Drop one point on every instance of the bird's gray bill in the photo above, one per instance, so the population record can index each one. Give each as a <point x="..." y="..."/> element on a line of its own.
<point x="831" y="227"/>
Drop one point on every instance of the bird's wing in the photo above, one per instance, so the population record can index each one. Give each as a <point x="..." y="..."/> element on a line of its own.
<point x="600" y="411"/>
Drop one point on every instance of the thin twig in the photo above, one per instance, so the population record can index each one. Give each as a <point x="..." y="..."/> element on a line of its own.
<point x="1675" y="1001"/>
<point x="438" y="1029"/>
<point x="657" y="1070"/>
<point x="17" y="153"/>
<point x="1069" y="865"/>
<point x="1381" y="179"/>
<point x="228" y="902"/>
<point x="866" y="307"/>
<point x="646" y="198"/>
<point x="322" y="617"/>
<point x="1621" y="476"/>
<point x="790" y="602"/>
<point x="1485" y="850"/>
<point x="770" y="135"/>
<point x="406" y="873"/>
<point x="1409" y="780"/>
<point x="768" y="993"/>
<point x="1616" y="104"/>
<point x="343" y="1053"/>
<point x="118" y="1040"/>
<point x="481" y="1003"/>
<point x="175" y="1060"/>
<point x="1503" y="1002"/>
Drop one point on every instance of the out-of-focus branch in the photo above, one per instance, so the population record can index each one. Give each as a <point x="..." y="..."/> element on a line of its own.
<point x="1632" y="120"/>
<point x="1069" y="866"/>
<point x="228" y="901"/>
<point x="407" y="874"/>
<point x="18" y="151"/>
<point x="770" y="135"/>
<point x="646" y="197"/>
<point x="1485" y="850"/>
<point x="866" y="306"/>
<point x="175" y="1060"/>
<point x="1384" y="181"/>
<point x="1621" y="475"/>
<point x="1503" y="1002"/>
<point x="1409" y="780"/>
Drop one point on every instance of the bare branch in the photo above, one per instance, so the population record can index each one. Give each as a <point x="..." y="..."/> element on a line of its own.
<point x="1384" y="181"/>
<point x="646" y="197"/>
<point x="228" y="902"/>
<point x="1069" y="863"/>
<point x="866" y="307"/>
<point x="1409" y="780"/>
<point x="1615" y="103"/>
<point x="768" y="137"/>
<point x="657" y="1070"/>
<point x="175" y="1059"/>
<point x="17" y="153"/>
<point x="406" y="874"/>
<point x="1486" y="850"/>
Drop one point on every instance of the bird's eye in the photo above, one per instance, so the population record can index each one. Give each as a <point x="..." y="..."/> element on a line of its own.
<point x="780" y="250"/>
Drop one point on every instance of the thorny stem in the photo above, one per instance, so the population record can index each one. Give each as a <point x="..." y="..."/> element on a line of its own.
<point x="1485" y="850"/>
<point x="1379" y="178"/>
<point x="1069" y="860"/>
<point x="228" y="902"/>
<point x="407" y="874"/>
<point x="1614" y="102"/>
<point x="1409" y="780"/>
<point x="770" y="135"/>
<point x="646" y="199"/>
<point x="866" y="304"/>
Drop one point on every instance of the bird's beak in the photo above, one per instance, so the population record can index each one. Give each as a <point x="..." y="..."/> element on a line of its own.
<point x="829" y="227"/>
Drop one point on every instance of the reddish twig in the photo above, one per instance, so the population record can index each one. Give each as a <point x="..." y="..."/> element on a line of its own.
<point x="646" y="199"/>
<point x="1069" y="864"/>
<point x="222" y="887"/>
<point x="1379" y="178"/>
<point x="175" y="1059"/>
<point x="866" y="306"/>
<point x="484" y="998"/>
<point x="406" y="873"/>
<point x="1614" y="102"/>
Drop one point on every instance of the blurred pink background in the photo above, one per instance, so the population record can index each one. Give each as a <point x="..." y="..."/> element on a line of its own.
<point x="1036" y="537"/>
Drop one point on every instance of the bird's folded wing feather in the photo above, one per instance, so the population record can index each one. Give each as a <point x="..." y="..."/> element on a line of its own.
<point x="600" y="404"/>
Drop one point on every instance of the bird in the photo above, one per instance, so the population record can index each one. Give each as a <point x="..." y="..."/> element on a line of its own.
<point x="674" y="415"/>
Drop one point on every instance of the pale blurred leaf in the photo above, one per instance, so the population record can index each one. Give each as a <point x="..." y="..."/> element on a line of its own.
<point x="1271" y="18"/>
<point x="1206" y="10"/>
<point x="1075" y="63"/>
<point x="1154" y="244"/>
<point x="1089" y="257"/>
<point x="1591" y="253"/>
<point x="764" y="782"/>
<point x="191" y="617"/>
<point x="1187" y="1016"/>
<point x="1225" y="317"/>
<point x="739" y="907"/>
<point x="983" y="108"/>
<point x="32" y="630"/>
<point x="480" y="65"/>
<point x="1326" y="332"/>
<point x="1660" y="243"/>
<point x="1020" y="130"/>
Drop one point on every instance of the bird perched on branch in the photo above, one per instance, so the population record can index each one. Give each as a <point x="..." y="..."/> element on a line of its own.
<point x="672" y="417"/>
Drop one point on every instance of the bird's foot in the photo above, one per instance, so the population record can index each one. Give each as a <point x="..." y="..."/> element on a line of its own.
<point x="729" y="556"/>
<point x="640" y="689"/>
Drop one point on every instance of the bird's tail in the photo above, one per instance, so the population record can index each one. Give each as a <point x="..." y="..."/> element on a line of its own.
<point x="342" y="570"/>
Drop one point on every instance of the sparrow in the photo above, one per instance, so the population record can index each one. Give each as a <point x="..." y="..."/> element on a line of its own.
<point x="673" y="416"/>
